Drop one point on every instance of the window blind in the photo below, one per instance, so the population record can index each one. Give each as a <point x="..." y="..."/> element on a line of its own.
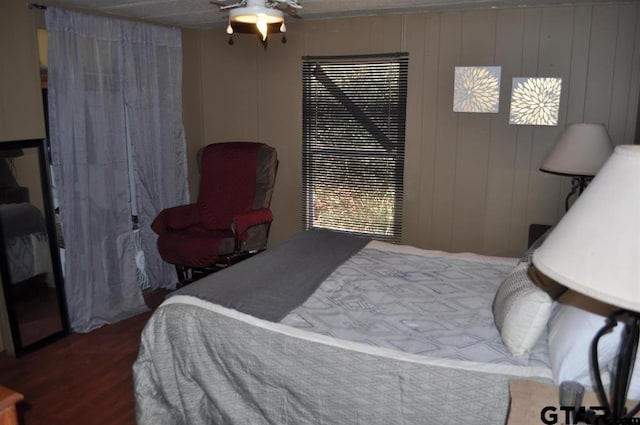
<point x="354" y="113"/>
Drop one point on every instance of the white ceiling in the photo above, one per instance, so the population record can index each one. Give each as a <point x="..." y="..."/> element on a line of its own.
<point x="200" y="14"/>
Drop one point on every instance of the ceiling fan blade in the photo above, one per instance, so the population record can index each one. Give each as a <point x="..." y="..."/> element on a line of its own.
<point x="224" y="6"/>
<point x="283" y="4"/>
<point x="292" y="3"/>
<point x="293" y="13"/>
<point x="289" y="7"/>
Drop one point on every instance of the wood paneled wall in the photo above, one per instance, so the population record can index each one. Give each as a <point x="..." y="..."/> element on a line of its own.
<point x="21" y="112"/>
<point x="472" y="180"/>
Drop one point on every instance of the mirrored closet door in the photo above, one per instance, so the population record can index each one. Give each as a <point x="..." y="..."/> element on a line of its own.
<point x="32" y="284"/>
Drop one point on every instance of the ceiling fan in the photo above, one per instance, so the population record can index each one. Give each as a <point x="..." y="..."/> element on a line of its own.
<point x="267" y="16"/>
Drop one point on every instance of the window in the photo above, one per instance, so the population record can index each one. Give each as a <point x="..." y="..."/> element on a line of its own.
<point x="354" y="112"/>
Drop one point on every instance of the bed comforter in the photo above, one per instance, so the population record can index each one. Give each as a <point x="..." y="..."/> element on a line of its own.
<point x="202" y="363"/>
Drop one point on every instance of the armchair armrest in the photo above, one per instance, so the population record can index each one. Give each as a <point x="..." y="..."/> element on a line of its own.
<point x="176" y="218"/>
<point x="242" y="222"/>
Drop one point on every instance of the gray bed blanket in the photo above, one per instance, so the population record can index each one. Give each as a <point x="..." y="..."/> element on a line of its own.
<point x="199" y="365"/>
<point x="273" y="283"/>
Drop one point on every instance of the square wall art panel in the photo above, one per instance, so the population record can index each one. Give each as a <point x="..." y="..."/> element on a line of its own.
<point x="477" y="89"/>
<point x="535" y="101"/>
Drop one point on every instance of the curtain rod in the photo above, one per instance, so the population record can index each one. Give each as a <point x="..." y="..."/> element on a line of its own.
<point x="36" y="6"/>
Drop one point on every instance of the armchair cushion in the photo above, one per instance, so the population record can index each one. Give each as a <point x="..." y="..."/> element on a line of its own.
<point x="176" y="218"/>
<point x="242" y="222"/>
<point x="235" y="161"/>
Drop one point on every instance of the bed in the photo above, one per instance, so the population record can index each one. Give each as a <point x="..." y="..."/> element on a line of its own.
<point x="26" y="243"/>
<point x="377" y="334"/>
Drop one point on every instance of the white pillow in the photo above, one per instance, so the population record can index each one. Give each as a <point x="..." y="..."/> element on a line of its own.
<point x="571" y="331"/>
<point x="520" y="310"/>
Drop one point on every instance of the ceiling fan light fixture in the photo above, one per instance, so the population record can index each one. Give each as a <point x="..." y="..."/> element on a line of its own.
<point x="259" y="15"/>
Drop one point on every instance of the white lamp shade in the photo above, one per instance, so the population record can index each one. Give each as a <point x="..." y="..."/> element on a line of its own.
<point x="595" y="248"/>
<point x="580" y="151"/>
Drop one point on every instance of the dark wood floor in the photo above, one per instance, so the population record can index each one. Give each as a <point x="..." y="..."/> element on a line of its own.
<point x="81" y="379"/>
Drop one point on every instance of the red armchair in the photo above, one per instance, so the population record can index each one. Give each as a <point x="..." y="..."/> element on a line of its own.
<point x="231" y="219"/>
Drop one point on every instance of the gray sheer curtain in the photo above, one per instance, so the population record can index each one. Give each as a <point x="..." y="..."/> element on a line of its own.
<point x="154" y="100"/>
<point x="116" y="131"/>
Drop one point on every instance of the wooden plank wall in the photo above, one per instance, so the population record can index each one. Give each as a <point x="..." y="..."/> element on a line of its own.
<point x="472" y="180"/>
<point x="21" y="112"/>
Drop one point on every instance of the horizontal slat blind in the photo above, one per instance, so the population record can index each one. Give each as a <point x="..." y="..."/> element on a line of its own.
<point x="354" y="112"/>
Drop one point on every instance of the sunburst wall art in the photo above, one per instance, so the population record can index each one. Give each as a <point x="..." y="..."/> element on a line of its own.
<point x="535" y="101"/>
<point x="476" y="89"/>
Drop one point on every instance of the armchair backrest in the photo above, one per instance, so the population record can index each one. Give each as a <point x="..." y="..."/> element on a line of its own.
<point x="235" y="177"/>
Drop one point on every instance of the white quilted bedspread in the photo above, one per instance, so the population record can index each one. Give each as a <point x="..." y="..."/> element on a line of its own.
<point x="418" y="302"/>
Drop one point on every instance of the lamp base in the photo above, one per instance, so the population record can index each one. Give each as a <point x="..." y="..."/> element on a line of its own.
<point x="578" y="185"/>
<point x="614" y="405"/>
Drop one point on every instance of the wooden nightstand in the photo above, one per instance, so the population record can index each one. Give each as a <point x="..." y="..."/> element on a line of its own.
<point x="8" y="400"/>
<point x="529" y="399"/>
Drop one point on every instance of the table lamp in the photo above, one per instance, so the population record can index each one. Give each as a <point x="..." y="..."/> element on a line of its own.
<point x="579" y="153"/>
<point x="595" y="250"/>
